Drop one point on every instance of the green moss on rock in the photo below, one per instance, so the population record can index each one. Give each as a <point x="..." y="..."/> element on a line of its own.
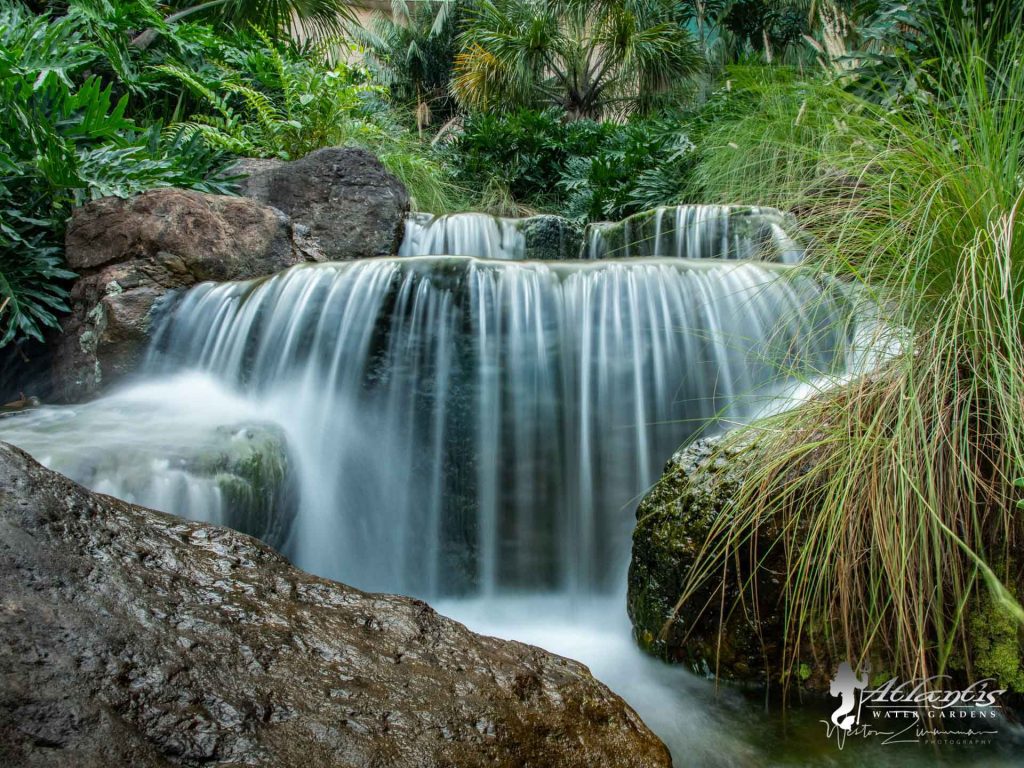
<point x="551" y="238"/>
<point x="252" y="468"/>
<point x="997" y="645"/>
<point x="717" y="632"/>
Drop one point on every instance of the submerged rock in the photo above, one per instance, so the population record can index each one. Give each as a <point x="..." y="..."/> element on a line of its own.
<point x="131" y="253"/>
<point x="205" y="453"/>
<point x="138" y="638"/>
<point x="252" y="471"/>
<point x="347" y="199"/>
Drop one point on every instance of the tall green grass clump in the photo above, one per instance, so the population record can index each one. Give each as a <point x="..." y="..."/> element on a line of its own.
<point x="894" y="493"/>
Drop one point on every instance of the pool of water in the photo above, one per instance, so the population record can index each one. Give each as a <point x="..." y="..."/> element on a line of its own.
<point x="705" y="725"/>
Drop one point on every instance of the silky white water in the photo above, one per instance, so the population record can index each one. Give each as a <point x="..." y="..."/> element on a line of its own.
<point x="681" y="232"/>
<point x="462" y="234"/>
<point x="471" y="426"/>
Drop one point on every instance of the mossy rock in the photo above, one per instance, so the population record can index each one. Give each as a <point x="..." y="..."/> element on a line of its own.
<point x="253" y="469"/>
<point x="673" y="520"/>
<point x="995" y="643"/>
<point x="717" y="633"/>
<point x="551" y="238"/>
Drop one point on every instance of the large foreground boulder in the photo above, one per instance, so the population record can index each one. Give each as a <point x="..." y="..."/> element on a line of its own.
<point x="349" y="201"/>
<point x="140" y="639"/>
<point x="131" y="253"/>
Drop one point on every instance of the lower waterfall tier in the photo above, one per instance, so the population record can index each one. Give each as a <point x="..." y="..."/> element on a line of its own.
<point x="456" y="425"/>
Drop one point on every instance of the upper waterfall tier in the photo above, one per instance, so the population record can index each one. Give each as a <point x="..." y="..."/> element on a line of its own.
<point x="464" y="425"/>
<point x="463" y="234"/>
<point x="699" y="232"/>
<point x="685" y="231"/>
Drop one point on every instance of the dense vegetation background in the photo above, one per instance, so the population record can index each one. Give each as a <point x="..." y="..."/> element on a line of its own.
<point x="893" y="129"/>
<point x="594" y="110"/>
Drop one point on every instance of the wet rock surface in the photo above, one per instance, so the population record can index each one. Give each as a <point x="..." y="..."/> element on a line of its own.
<point x="551" y="238"/>
<point x="137" y="638"/>
<point x="714" y="633"/>
<point x="347" y="199"/>
<point x="718" y="632"/>
<point x="131" y="253"/>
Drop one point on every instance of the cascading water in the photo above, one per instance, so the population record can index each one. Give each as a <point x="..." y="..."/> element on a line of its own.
<point x="684" y="231"/>
<point x="186" y="445"/>
<point x="463" y="234"/>
<point x="473" y="431"/>
<point x="699" y="232"/>
<point x="522" y="407"/>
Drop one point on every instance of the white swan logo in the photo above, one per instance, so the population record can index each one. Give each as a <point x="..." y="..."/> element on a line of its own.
<point x="845" y="685"/>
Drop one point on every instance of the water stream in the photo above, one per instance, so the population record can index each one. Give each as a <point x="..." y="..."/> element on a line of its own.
<point x="474" y="431"/>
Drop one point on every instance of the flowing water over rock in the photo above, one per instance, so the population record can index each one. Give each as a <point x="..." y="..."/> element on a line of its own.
<point x="463" y="234"/>
<point x="478" y="426"/>
<point x="186" y="445"/>
<point x="684" y="231"/>
<point x="473" y="430"/>
<point x="699" y="232"/>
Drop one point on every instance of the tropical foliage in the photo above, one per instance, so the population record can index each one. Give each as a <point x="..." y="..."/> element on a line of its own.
<point x="593" y="60"/>
<point x="411" y="52"/>
<point x="582" y="169"/>
<point x="65" y="138"/>
<point x="89" y="109"/>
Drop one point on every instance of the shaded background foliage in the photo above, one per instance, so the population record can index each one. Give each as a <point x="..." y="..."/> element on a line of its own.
<point x="594" y="110"/>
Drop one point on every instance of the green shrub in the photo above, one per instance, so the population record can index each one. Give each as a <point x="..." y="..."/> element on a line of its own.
<point x="595" y="60"/>
<point x="582" y="169"/>
<point x="641" y="165"/>
<point x="282" y="99"/>
<point x="64" y="139"/>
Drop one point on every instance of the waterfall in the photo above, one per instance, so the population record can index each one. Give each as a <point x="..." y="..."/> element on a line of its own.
<point x="463" y="234"/>
<point x="476" y="431"/>
<point x="476" y="426"/>
<point x="453" y="425"/>
<point x="699" y="232"/>
<point x="684" y="231"/>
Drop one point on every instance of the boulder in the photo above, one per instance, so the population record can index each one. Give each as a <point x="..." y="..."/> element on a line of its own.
<point x="716" y="633"/>
<point x="349" y="201"/>
<point x="734" y="628"/>
<point x="551" y="238"/>
<point x="137" y="638"/>
<point x="131" y="253"/>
